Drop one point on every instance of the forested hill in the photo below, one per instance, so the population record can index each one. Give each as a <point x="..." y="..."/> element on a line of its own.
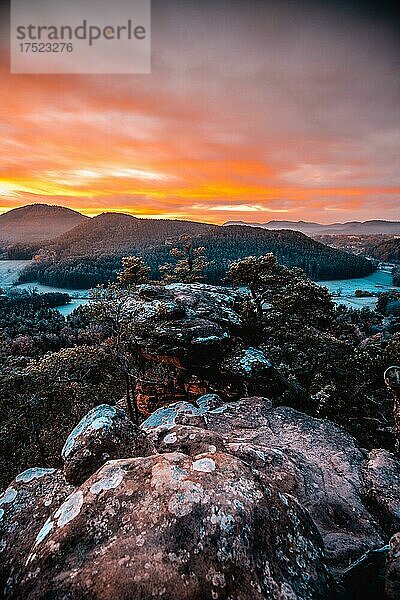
<point x="91" y="253"/>
<point x="387" y="250"/>
<point x="36" y="222"/>
<point x="291" y="248"/>
<point x="111" y="233"/>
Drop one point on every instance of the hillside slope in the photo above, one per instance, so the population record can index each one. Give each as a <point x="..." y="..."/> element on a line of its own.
<point x="91" y="252"/>
<point x="111" y="233"/>
<point x="37" y="222"/>
<point x="387" y="251"/>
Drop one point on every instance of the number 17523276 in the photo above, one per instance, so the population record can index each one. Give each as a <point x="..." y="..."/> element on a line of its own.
<point x="46" y="47"/>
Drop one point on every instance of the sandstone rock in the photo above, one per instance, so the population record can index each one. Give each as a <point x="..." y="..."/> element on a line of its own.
<point x="196" y="417"/>
<point x="169" y="416"/>
<point x="365" y="578"/>
<point x="312" y="459"/>
<point x="191" y="420"/>
<point x="392" y="381"/>
<point x="177" y="527"/>
<point x="187" y="319"/>
<point x="392" y="578"/>
<point x="104" y="433"/>
<point x="235" y="504"/>
<point x="189" y="440"/>
<point x="209" y="402"/>
<point x="382" y="481"/>
<point x="193" y="332"/>
<point x="24" y="507"/>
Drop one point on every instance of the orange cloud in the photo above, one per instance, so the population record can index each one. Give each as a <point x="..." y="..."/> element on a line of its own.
<point x="297" y="137"/>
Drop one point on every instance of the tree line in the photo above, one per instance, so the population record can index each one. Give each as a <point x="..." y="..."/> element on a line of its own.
<point x="220" y="246"/>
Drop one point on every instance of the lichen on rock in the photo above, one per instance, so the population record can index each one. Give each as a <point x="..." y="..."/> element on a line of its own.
<point x="104" y="433"/>
<point x="244" y="501"/>
<point x="26" y="505"/>
<point x="204" y="527"/>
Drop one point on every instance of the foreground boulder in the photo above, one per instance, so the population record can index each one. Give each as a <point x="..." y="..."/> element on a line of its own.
<point x="190" y="440"/>
<point x="24" y="507"/>
<point x="235" y="501"/>
<point x="175" y="527"/>
<point x="312" y="459"/>
<point x="104" y="433"/>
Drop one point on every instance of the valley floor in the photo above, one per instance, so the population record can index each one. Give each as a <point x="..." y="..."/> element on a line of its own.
<point x="343" y="289"/>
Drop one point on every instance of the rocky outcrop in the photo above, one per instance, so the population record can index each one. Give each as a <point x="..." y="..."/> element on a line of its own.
<point x="191" y="341"/>
<point x="190" y="322"/>
<point x="190" y="440"/>
<point x="237" y="501"/>
<point x="104" y="433"/>
<point x="24" y="507"/>
<point x="312" y="459"/>
<point x="392" y="381"/>
<point x="172" y="526"/>
<point x="190" y="328"/>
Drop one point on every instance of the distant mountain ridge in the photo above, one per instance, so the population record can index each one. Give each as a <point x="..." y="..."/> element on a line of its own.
<point x="37" y="222"/>
<point x="375" y="226"/>
<point x="91" y="252"/>
<point x="43" y="222"/>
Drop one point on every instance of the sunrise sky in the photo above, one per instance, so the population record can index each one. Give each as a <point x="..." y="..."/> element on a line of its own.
<point x="254" y="111"/>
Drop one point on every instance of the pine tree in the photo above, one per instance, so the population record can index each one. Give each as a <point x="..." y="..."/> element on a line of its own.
<point x="134" y="271"/>
<point x="190" y="264"/>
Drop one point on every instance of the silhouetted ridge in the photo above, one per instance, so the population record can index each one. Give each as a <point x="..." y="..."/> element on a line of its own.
<point x="37" y="222"/>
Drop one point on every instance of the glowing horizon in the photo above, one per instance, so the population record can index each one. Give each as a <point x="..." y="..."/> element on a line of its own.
<point x="285" y="113"/>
